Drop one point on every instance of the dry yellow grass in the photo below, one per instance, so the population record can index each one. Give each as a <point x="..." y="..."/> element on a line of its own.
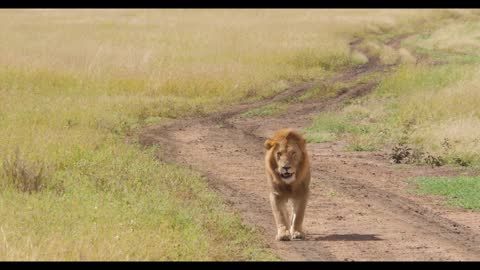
<point x="451" y="114"/>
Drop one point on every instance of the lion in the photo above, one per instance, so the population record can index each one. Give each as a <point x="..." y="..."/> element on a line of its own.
<point x="288" y="173"/>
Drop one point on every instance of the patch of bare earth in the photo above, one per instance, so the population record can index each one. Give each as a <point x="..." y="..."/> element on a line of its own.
<point x="360" y="207"/>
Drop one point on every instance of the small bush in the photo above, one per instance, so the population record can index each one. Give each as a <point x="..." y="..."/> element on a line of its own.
<point x="23" y="175"/>
<point x="402" y="153"/>
<point x="434" y="161"/>
<point x="462" y="161"/>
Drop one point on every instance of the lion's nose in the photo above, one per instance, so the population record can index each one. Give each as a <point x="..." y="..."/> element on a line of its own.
<point x="286" y="168"/>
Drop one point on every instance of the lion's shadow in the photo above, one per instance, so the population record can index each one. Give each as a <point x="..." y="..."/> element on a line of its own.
<point x="343" y="237"/>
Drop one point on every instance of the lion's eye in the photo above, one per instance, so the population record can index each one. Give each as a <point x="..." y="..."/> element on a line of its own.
<point x="279" y="154"/>
<point x="294" y="154"/>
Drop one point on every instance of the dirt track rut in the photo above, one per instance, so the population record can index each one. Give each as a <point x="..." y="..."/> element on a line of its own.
<point x="359" y="209"/>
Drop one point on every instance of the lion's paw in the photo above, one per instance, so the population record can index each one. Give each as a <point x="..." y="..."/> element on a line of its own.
<point x="283" y="235"/>
<point x="297" y="235"/>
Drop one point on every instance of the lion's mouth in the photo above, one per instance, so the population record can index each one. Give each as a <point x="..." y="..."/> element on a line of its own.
<point x="286" y="175"/>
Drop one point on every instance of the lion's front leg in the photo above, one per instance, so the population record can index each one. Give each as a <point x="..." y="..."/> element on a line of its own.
<point x="280" y="214"/>
<point x="299" y="206"/>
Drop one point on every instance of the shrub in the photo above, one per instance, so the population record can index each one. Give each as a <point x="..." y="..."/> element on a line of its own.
<point x="22" y="174"/>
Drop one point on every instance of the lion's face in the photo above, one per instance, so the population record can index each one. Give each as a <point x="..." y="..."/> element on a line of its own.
<point x="288" y="157"/>
<point x="285" y="154"/>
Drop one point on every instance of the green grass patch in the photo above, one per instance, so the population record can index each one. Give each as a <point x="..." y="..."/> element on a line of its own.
<point x="459" y="191"/>
<point x="267" y="110"/>
<point x="318" y="93"/>
<point x="328" y="126"/>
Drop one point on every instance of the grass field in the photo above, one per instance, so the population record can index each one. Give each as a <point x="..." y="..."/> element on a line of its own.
<point x="422" y="113"/>
<point x="460" y="191"/>
<point x="431" y="107"/>
<point x="75" y="83"/>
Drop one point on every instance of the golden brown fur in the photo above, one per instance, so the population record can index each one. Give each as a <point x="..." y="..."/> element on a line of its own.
<point x="288" y="172"/>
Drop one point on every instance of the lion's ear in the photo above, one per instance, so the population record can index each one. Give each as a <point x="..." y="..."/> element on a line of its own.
<point x="268" y="144"/>
<point x="295" y="136"/>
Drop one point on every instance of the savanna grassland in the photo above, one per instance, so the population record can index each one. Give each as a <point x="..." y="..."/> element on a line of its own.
<point x="424" y="112"/>
<point x="76" y="86"/>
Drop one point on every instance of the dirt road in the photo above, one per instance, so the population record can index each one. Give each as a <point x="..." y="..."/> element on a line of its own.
<point x="359" y="209"/>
